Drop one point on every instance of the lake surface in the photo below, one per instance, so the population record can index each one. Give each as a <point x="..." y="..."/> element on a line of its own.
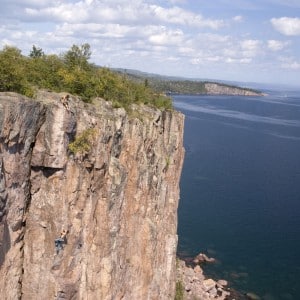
<point x="240" y="190"/>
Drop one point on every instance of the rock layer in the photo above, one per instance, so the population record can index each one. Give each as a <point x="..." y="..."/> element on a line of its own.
<point x="117" y="198"/>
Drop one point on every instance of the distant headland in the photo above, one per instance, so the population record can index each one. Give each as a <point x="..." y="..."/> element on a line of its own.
<point x="177" y="85"/>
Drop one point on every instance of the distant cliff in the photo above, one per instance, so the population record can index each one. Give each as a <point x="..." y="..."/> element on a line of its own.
<point x="212" y="88"/>
<point x="107" y="177"/>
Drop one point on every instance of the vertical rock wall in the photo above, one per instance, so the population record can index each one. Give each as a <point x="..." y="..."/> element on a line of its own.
<point x="118" y="200"/>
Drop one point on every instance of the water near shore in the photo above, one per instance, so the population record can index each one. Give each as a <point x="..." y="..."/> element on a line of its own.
<point x="240" y="190"/>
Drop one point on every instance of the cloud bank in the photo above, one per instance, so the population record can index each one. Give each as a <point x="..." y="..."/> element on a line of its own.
<point x="174" y="37"/>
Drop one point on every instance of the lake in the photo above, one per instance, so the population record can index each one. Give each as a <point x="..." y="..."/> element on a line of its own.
<point x="240" y="190"/>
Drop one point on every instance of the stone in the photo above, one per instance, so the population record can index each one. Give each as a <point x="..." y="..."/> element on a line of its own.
<point x="197" y="269"/>
<point x="213" y="292"/>
<point x="201" y="257"/>
<point x="189" y="272"/>
<point x="208" y="284"/>
<point x="222" y="282"/>
<point x="252" y="296"/>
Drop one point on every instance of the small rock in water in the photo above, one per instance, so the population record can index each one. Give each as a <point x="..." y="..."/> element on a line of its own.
<point x="201" y="257"/>
<point x="222" y="282"/>
<point x="252" y="296"/>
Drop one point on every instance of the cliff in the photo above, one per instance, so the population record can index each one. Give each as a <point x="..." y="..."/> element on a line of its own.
<point x="116" y="197"/>
<point x="223" y="89"/>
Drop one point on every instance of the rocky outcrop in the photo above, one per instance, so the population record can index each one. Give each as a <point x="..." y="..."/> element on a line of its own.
<point x="195" y="286"/>
<point x="203" y="258"/>
<point x="222" y="89"/>
<point x="116" y="197"/>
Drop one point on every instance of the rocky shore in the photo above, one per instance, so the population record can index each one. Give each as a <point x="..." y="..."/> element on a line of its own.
<point x="192" y="284"/>
<point x="195" y="286"/>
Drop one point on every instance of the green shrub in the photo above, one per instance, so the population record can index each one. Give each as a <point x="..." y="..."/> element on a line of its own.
<point x="82" y="144"/>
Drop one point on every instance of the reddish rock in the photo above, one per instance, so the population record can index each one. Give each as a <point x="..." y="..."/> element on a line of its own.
<point x="117" y="198"/>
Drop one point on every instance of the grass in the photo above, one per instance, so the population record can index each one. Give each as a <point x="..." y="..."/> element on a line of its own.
<point x="179" y="291"/>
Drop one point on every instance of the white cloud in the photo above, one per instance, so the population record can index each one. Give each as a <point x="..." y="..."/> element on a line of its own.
<point x="177" y="1"/>
<point x="27" y="3"/>
<point x="172" y="58"/>
<point x="287" y="26"/>
<point x="94" y="30"/>
<point x="187" y="51"/>
<point x="292" y="65"/>
<point x="238" y="19"/>
<point x="250" y="45"/>
<point x="167" y="37"/>
<point x="250" y="48"/>
<point x="177" y="15"/>
<point x="116" y="11"/>
<point x="275" y="45"/>
<point x="231" y="60"/>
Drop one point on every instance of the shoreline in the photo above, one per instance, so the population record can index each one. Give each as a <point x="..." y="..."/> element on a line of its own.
<point x="193" y="284"/>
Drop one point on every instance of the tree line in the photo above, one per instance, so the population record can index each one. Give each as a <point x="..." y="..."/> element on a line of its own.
<point x="72" y="72"/>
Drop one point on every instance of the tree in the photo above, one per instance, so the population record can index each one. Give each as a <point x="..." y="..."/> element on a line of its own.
<point x="146" y="83"/>
<point x="36" y="52"/>
<point x="78" y="56"/>
<point x="12" y="71"/>
<point x="42" y="72"/>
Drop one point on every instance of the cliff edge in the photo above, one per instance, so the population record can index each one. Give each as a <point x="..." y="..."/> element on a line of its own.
<point x="115" y="194"/>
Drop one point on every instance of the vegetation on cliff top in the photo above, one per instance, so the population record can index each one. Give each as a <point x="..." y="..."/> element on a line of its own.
<point x="73" y="73"/>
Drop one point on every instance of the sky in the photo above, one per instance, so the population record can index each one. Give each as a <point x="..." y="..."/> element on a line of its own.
<point x="235" y="40"/>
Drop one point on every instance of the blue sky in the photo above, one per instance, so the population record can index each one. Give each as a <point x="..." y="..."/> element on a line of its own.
<point x="240" y="40"/>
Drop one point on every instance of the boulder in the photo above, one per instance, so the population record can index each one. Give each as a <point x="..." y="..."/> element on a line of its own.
<point x="208" y="284"/>
<point x="222" y="282"/>
<point x="201" y="257"/>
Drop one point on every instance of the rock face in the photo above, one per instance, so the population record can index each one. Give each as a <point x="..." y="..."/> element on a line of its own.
<point x="219" y="89"/>
<point x="117" y="199"/>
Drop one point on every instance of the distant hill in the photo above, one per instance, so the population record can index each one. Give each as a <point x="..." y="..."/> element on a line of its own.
<point x="180" y="85"/>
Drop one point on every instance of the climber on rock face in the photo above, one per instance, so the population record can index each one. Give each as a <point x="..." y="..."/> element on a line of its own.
<point x="59" y="242"/>
<point x="65" y="101"/>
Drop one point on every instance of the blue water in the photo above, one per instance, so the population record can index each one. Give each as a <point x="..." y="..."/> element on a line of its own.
<point x="240" y="190"/>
